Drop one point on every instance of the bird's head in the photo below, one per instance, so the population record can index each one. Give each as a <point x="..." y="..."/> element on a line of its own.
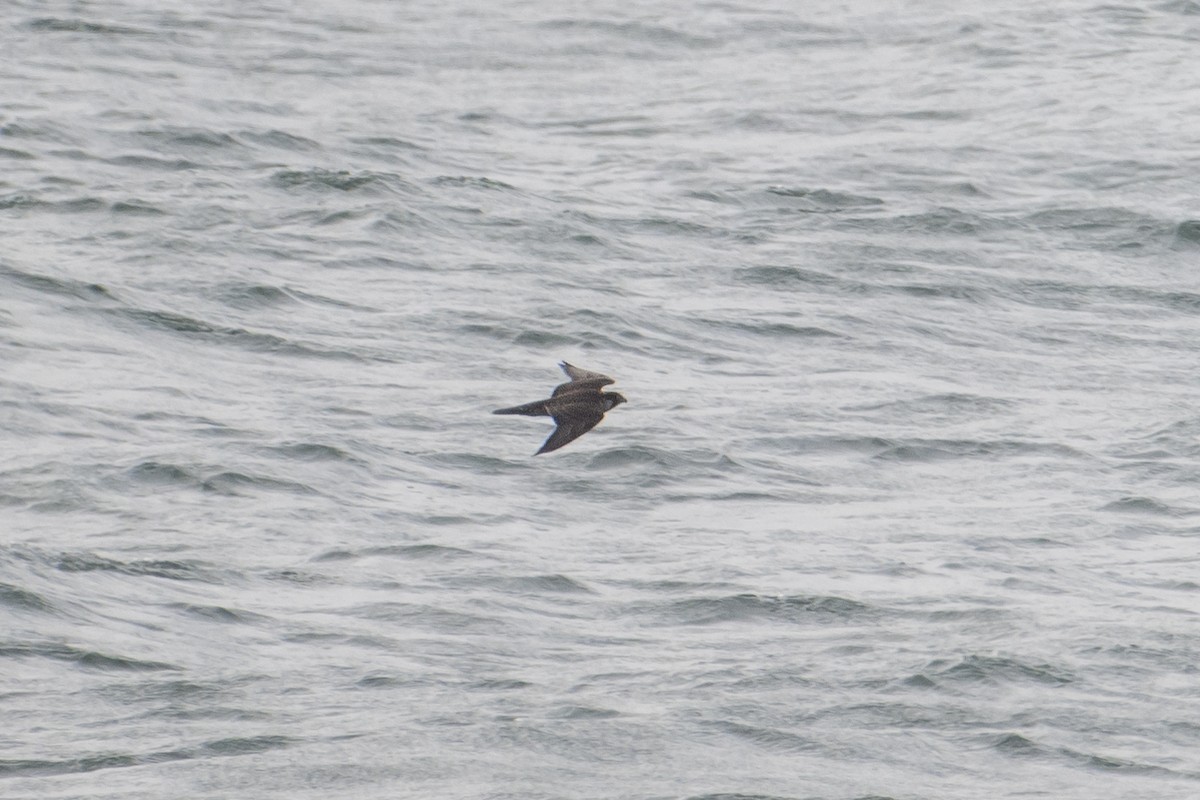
<point x="613" y="399"/>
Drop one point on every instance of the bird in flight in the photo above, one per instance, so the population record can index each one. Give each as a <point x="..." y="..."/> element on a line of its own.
<point x="577" y="406"/>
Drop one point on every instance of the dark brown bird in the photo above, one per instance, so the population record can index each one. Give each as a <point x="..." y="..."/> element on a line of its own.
<point x="576" y="406"/>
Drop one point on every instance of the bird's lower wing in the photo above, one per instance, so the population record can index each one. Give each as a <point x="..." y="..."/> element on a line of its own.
<point x="570" y="427"/>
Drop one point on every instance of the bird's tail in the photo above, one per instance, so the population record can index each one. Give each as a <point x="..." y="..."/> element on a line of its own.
<point x="535" y="409"/>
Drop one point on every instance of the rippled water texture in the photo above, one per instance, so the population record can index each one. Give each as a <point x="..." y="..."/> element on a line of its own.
<point x="904" y="298"/>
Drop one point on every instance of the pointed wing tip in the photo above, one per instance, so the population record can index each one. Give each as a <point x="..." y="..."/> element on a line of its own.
<point x="549" y="446"/>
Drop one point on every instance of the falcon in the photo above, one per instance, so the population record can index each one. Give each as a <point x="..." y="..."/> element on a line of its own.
<point x="576" y="406"/>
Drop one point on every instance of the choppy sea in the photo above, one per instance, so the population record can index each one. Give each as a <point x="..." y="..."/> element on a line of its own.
<point x="904" y="297"/>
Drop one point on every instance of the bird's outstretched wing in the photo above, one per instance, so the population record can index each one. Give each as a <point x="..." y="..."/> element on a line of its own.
<point x="577" y="374"/>
<point x="589" y="386"/>
<point x="573" y="421"/>
<point x="582" y="380"/>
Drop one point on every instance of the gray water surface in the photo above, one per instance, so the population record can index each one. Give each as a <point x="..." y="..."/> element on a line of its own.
<point x="905" y="299"/>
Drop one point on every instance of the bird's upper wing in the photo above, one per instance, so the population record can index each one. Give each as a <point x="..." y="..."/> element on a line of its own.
<point x="588" y="385"/>
<point x="577" y="374"/>
<point x="573" y="421"/>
